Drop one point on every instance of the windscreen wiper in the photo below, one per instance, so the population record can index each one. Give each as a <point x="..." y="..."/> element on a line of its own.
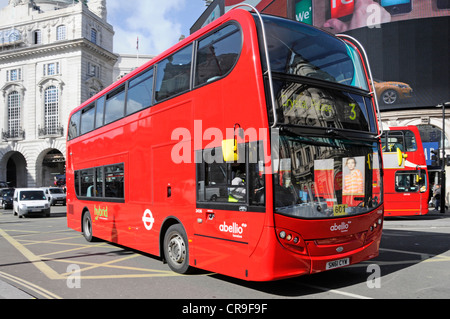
<point x="352" y="137"/>
<point x="292" y="132"/>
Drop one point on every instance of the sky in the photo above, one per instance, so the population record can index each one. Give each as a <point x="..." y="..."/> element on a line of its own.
<point x="158" y="23"/>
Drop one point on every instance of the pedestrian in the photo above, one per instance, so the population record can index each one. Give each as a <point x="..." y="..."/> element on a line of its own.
<point x="437" y="197"/>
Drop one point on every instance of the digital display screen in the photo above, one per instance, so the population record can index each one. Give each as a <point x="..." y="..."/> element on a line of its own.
<point x="386" y="3"/>
<point x="406" y="42"/>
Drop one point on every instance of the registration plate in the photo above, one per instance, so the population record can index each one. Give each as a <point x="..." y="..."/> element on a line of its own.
<point x="338" y="263"/>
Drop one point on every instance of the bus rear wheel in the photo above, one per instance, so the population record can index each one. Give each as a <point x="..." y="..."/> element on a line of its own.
<point x="176" y="250"/>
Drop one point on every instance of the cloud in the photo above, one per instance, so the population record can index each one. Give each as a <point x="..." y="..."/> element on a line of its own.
<point x="157" y="23"/>
<point x="153" y="21"/>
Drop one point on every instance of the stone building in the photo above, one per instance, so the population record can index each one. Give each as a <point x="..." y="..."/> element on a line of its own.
<point x="54" y="54"/>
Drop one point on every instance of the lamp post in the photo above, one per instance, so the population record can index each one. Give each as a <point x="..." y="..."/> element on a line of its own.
<point x="443" y="161"/>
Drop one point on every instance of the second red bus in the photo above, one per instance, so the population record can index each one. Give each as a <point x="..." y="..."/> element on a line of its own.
<point x="405" y="172"/>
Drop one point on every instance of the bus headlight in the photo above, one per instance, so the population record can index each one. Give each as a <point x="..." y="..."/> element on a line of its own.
<point x="292" y="241"/>
<point x="374" y="231"/>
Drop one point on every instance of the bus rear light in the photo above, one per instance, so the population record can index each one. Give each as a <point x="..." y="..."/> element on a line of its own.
<point x="292" y="241"/>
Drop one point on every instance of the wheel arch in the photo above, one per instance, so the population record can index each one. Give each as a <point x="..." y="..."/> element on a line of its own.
<point x="169" y="221"/>
<point x="84" y="211"/>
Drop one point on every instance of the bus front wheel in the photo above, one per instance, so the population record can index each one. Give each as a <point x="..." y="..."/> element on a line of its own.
<point x="87" y="226"/>
<point x="176" y="250"/>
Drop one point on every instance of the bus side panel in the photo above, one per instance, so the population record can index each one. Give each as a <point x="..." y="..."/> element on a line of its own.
<point x="162" y="176"/>
<point x="73" y="218"/>
<point x="405" y="204"/>
<point x="402" y="204"/>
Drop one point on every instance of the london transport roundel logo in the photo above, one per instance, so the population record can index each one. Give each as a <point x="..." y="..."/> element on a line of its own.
<point x="148" y="219"/>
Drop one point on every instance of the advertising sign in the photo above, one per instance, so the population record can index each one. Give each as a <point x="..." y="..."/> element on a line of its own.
<point x="406" y="41"/>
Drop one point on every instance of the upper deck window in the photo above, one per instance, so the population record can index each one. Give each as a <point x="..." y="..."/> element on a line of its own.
<point x="115" y="105"/>
<point x="140" y="92"/>
<point x="301" y="50"/>
<point x="174" y="74"/>
<point x="87" y="119"/>
<point x="217" y="54"/>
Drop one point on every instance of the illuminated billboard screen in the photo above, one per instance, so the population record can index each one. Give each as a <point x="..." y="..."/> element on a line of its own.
<point x="407" y="41"/>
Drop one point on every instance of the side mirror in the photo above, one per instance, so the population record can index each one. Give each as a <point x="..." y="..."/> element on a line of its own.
<point x="230" y="150"/>
<point x="401" y="156"/>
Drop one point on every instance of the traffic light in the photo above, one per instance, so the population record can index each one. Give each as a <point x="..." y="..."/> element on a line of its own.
<point x="435" y="158"/>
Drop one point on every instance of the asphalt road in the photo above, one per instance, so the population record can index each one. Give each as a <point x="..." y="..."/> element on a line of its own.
<point x="42" y="259"/>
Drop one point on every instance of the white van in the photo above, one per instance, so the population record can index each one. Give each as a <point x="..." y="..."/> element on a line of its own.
<point x="30" y="201"/>
<point x="55" y="195"/>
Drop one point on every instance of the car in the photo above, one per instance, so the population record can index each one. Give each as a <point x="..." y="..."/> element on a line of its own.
<point x="30" y="201"/>
<point x="390" y="92"/>
<point x="55" y="195"/>
<point x="6" y="198"/>
<point x="3" y="185"/>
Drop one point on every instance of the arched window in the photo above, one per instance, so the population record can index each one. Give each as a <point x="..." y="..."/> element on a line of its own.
<point x="94" y="36"/>
<point x="14" y="123"/>
<point x="61" y="33"/>
<point x="37" y="37"/>
<point x="51" y="115"/>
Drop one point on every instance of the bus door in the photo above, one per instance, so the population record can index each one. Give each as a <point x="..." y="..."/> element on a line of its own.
<point x="170" y="194"/>
<point x="230" y="208"/>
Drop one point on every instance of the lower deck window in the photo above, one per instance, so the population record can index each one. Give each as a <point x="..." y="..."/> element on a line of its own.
<point x="410" y="181"/>
<point x="104" y="183"/>
<point x="240" y="182"/>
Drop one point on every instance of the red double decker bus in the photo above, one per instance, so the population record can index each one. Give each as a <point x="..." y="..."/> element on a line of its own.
<point x="231" y="152"/>
<point x="406" y="176"/>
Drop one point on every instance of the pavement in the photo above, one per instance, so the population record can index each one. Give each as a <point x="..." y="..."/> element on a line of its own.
<point x="8" y="291"/>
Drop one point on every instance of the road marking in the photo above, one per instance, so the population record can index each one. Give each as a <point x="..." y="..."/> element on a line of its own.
<point x="28" y="242"/>
<point x="30" y="286"/>
<point x="35" y="260"/>
<point x="438" y="258"/>
<point x="337" y="292"/>
<point x="38" y="262"/>
<point x="94" y="266"/>
<point x="79" y="247"/>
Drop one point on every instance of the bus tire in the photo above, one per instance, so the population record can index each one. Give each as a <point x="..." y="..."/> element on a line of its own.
<point x="87" y="226"/>
<point x="176" y="249"/>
